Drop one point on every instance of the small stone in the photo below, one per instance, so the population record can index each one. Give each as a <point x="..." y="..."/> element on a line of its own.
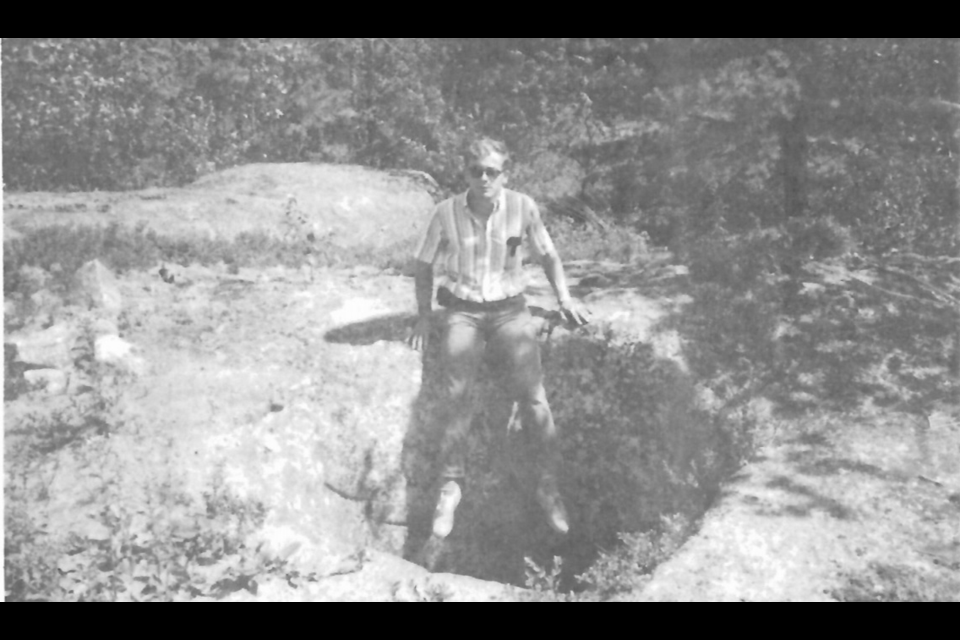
<point x="49" y="347"/>
<point x="52" y="381"/>
<point x="282" y="542"/>
<point x="115" y="350"/>
<point x="94" y="530"/>
<point x="110" y="348"/>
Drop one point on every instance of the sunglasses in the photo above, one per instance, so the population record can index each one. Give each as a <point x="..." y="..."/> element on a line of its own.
<point x="490" y="172"/>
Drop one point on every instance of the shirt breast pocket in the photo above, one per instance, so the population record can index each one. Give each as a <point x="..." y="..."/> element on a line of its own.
<point x="513" y="246"/>
<point x="514" y="252"/>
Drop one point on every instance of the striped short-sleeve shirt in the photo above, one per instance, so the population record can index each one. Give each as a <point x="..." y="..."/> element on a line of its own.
<point x="482" y="261"/>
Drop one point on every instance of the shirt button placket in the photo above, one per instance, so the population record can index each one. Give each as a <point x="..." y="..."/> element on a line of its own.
<point x="487" y="287"/>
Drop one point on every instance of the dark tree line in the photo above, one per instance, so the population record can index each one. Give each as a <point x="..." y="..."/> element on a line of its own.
<point x="669" y="135"/>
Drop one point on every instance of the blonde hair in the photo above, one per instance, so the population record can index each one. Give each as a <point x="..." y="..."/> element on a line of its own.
<point x="480" y="148"/>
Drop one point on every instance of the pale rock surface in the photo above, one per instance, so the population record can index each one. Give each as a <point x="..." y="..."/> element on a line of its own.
<point x="52" y="381"/>
<point x="357" y="310"/>
<point x="311" y="552"/>
<point x="51" y="347"/>
<point x="115" y="350"/>
<point x="342" y="204"/>
<point x="381" y="577"/>
<point x="790" y="524"/>
<point x="99" y="287"/>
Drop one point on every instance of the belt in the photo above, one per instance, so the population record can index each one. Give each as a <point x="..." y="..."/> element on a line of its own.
<point x="450" y="301"/>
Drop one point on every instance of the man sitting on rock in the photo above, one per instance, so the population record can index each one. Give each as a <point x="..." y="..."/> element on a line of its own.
<point x="479" y="237"/>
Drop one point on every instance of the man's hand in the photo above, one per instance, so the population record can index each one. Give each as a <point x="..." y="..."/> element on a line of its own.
<point x="419" y="334"/>
<point x="576" y="313"/>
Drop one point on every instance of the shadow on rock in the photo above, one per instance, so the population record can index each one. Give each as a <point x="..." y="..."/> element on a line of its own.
<point x="635" y="447"/>
<point x="391" y="328"/>
<point x="497" y="521"/>
<point x="812" y="500"/>
<point x="394" y="327"/>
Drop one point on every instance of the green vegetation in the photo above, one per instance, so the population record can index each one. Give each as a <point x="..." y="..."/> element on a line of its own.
<point x="139" y="553"/>
<point x="580" y="241"/>
<point x="630" y="563"/>
<point x="148" y="542"/>
<point x="61" y="250"/>
<point x="792" y="313"/>
<point x="636" y="444"/>
<point x="624" y="568"/>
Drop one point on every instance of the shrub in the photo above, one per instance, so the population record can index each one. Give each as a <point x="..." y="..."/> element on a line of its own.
<point x="636" y="445"/>
<point x="792" y="313"/>
<point x="62" y="249"/>
<point x="165" y="545"/>
<point x="631" y="563"/>
<point x="543" y="583"/>
<point x="57" y="252"/>
<point x="171" y="549"/>
<point x="577" y="241"/>
<point x="624" y="568"/>
<point x="94" y="408"/>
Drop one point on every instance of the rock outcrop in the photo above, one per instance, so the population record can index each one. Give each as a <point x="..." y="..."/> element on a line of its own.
<point x="46" y="358"/>
<point x="347" y="205"/>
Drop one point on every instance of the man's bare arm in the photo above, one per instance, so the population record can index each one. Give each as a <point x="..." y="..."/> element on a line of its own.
<point x="423" y="280"/>
<point x="553" y="268"/>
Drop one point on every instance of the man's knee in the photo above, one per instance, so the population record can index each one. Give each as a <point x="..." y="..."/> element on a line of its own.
<point x="525" y="383"/>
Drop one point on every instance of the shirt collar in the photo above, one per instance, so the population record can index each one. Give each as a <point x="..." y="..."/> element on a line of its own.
<point x="497" y="206"/>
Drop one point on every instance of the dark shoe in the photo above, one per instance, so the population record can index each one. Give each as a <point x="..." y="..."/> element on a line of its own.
<point x="552" y="505"/>
<point x="450" y="496"/>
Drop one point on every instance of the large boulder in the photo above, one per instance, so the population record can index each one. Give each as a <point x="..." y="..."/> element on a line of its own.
<point x="341" y="204"/>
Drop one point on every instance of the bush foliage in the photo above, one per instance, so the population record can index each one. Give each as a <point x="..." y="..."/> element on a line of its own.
<point x="795" y="314"/>
<point x="165" y="545"/>
<point x="61" y="250"/>
<point x="145" y="554"/>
